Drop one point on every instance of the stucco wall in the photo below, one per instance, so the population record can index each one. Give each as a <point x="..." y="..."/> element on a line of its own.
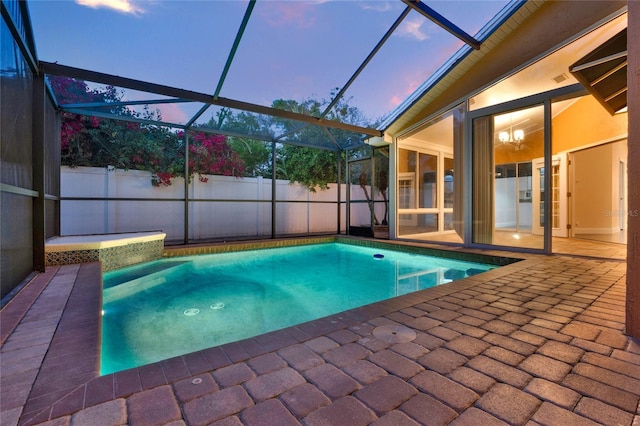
<point x="633" y="236"/>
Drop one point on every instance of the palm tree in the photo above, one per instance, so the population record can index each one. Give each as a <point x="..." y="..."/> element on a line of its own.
<point x="382" y="184"/>
<point x="364" y="180"/>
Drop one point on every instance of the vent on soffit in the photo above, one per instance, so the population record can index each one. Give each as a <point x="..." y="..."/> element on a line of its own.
<point x="560" y="78"/>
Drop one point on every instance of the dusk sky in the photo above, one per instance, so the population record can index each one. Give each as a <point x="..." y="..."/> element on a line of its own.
<point x="290" y="49"/>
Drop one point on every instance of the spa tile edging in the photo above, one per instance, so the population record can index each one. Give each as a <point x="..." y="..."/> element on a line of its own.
<point x="112" y="257"/>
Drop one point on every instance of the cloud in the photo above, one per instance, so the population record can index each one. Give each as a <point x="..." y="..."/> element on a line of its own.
<point x="172" y="113"/>
<point x="291" y="13"/>
<point x="122" y="6"/>
<point x="412" y="28"/>
<point x="394" y="101"/>
<point x="407" y="84"/>
<point x="377" y="6"/>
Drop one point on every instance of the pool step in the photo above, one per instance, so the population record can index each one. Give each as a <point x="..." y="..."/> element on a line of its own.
<point x="140" y="271"/>
<point x="140" y="280"/>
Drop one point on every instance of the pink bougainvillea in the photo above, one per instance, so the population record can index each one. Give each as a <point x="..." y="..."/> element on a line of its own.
<point x="162" y="179"/>
<point x="211" y="154"/>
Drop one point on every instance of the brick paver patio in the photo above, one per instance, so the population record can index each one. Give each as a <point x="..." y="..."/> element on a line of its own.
<point x="536" y="342"/>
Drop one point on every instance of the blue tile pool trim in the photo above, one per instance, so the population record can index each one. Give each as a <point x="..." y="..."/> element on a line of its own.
<point x="380" y="244"/>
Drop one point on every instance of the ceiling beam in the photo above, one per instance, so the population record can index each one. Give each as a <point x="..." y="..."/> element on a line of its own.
<point x="227" y="65"/>
<point x="143" y="86"/>
<point x="443" y="22"/>
<point x="599" y="61"/>
<point x="368" y="59"/>
<point x="234" y="48"/>
<point x="129" y="118"/>
<point x="331" y="138"/>
<point x="124" y="103"/>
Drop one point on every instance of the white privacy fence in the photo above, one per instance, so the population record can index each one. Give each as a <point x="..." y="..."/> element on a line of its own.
<point x="223" y="207"/>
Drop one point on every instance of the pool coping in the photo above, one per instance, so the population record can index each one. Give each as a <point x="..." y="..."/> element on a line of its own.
<point x="69" y="377"/>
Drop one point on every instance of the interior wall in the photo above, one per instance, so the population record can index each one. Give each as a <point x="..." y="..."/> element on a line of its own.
<point x="403" y="161"/>
<point x="585" y="122"/>
<point x="618" y="155"/>
<point x="592" y="193"/>
<point x="587" y="129"/>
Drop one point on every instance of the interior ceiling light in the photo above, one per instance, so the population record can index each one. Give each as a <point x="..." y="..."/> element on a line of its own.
<point x="513" y="136"/>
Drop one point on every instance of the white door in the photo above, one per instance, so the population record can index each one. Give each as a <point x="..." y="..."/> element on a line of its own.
<point x="407" y="199"/>
<point x="558" y="196"/>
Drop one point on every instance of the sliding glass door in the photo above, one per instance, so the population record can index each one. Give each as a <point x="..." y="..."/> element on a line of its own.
<point x="429" y="185"/>
<point x="504" y="148"/>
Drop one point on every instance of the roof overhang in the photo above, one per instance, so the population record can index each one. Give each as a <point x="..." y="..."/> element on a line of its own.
<point x="603" y="72"/>
<point x="177" y="95"/>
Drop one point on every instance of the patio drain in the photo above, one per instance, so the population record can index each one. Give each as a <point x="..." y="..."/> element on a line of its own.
<point x="394" y="333"/>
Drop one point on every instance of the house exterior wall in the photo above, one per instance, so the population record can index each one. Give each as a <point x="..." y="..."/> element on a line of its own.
<point x="552" y="24"/>
<point x="633" y="172"/>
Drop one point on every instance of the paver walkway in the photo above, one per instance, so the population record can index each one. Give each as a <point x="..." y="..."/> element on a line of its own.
<point x="536" y="342"/>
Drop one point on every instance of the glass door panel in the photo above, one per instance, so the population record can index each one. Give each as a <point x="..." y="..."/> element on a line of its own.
<point x="429" y="183"/>
<point x="503" y="186"/>
<point x="448" y="195"/>
<point x="407" y="199"/>
<point x="429" y="204"/>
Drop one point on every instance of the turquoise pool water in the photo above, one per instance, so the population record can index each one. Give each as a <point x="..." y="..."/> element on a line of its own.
<point x="175" y="306"/>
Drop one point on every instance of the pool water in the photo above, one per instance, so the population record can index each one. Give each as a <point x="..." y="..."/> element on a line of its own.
<point x="180" y="305"/>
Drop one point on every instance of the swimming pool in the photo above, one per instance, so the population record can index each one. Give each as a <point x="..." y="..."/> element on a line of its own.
<point x="180" y="305"/>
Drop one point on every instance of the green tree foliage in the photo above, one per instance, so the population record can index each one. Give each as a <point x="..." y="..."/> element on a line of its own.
<point x="296" y="160"/>
<point x="313" y="168"/>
